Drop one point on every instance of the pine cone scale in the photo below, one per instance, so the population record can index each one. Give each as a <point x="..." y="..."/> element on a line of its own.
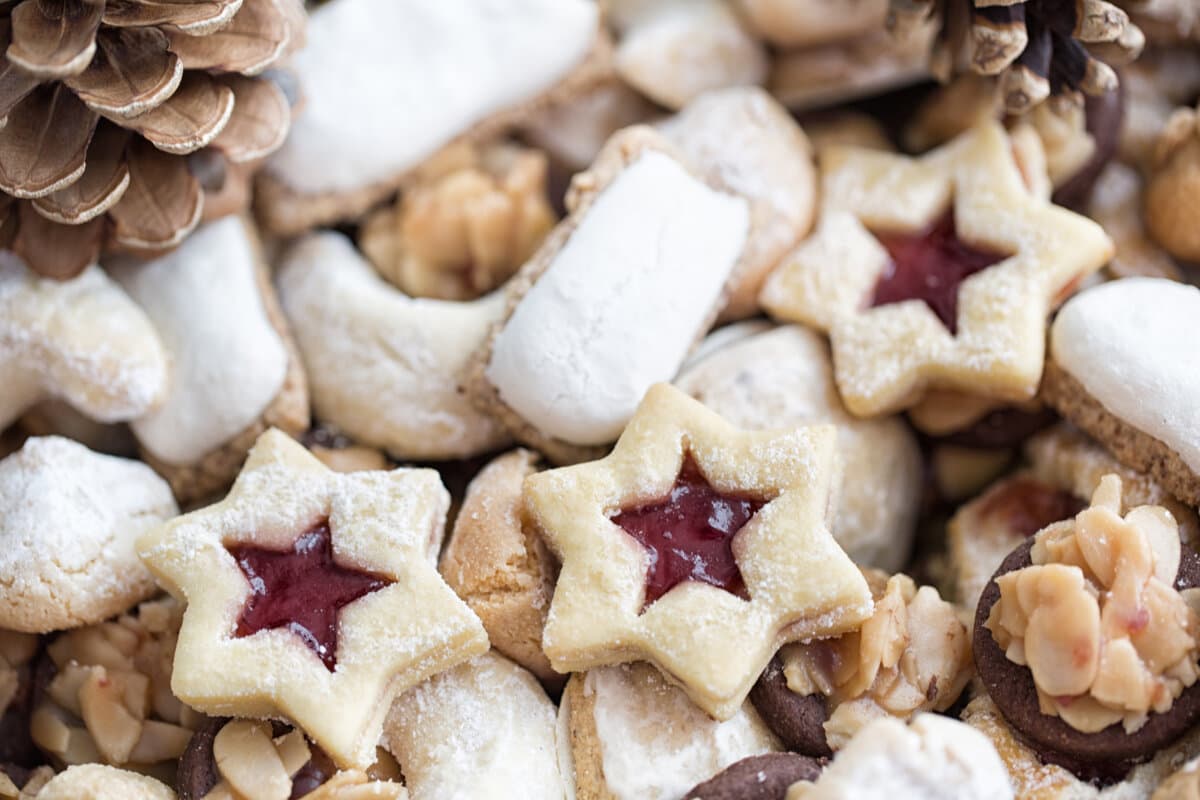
<point x="53" y="40"/>
<point x="133" y="73"/>
<point x="163" y="203"/>
<point x="254" y="40"/>
<point x="44" y="145"/>
<point x="260" y="121"/>
<point x="63" y="250"/>
<point x="195" y="18"/>
<point x="105" y="179"/>
<point x="190" y="119"/>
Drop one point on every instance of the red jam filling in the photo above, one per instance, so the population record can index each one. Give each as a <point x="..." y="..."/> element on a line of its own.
<point x="301" y="589"/>
<point x="929" y="266"/>
<point x="689" y="534"/>
<point x="1028" y="506"/>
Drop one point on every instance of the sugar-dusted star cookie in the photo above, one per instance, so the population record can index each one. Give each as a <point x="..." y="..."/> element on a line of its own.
<point x="82" y="340"/>
<point x="696" y="546"/>
<point x="935" y="272"/>
<point x="312" y="596"/>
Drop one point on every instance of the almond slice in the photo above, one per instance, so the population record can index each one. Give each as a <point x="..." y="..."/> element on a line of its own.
<point x="246" y="757"/>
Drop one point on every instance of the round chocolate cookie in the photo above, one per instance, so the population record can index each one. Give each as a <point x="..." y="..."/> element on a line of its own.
<point x="197" y="773"/>
<point x="765" y="777"/>
<point x="1104" y="115"/>
<point x="798" y="720"/>
<point x="1105" y="755"/>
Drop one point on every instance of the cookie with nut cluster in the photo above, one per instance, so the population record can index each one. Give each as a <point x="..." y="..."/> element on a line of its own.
<point x="308" y="589"/>
<point x="1087" y="638"/>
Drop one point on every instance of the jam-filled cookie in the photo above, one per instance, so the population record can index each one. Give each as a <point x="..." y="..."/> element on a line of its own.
<point x="308" y="589"/>
<point x="697" y="546"/>
<point x="935" y="273"/>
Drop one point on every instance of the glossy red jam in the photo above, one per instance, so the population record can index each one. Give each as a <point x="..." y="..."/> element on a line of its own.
<point x="301" y="589"/>
<point x="689" y="535"/>
<point x="1027" y="505"/>
<point x="929" y="266"/>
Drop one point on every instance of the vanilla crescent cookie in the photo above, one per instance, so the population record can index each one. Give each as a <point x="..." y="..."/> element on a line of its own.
<point x="309" y="590"/>
<point x="484" y="729"/>
<point x="934" y="273"/>
<point x="69" y="519"/>
<point x="743" y="141"/>
<point x="696" y="546"/>
<point x="234" y="370"/>
<point x="625" y="733"/>
<point x="383" y="367"/>
<point x="772" y="377"/>
<point x="423" y="74"/>
<point x="1122" y="368"/>
<point x="613" y="300"/>
<point x="81" y="340"/>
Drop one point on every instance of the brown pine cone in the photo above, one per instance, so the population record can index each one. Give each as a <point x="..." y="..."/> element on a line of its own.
<point x="118" y="115"/>
<point x="1039" y="48"/>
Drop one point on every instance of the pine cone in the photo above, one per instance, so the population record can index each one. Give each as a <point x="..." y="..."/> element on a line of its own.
<point x="1039" y="48"/>
<point x="117" y="115"/>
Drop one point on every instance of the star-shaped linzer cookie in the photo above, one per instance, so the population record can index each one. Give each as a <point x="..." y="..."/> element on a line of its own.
<point x="312" y="596"/>
<point x="696" y="546"/>
<point x="934" y="273"/>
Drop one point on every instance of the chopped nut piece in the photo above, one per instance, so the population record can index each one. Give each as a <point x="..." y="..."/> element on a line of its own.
<point x="1096" y="618"/>
<point x="110" y="700"/>
<point x="913" y="654"/>
<point x="247" y="759"/>
<point x="464" y="228"/>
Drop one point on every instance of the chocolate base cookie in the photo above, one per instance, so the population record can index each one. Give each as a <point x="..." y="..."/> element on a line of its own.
<point x="798" y="720"/>
<point x="765" y="777"/>
<point x="1104" y="756"/>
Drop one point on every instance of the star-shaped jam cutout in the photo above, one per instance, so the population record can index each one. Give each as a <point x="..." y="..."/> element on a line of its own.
<point x="302" y="589"/>
<point x="689" y="534"/>
<point x="311" y="595"/>
<point x="930" y="266"/>
<point x="697" y="547"/>
<point x="957" y="228"/>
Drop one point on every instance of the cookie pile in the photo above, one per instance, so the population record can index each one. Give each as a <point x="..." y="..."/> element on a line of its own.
<point x="599" y="399"/>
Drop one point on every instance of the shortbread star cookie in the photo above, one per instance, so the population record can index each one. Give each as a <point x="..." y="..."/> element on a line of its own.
<point x="383" y="367"/>
<point x="1122" y="367"/>
<point x="387" y="85"/>
<point x="234" y="370"/>
<point x="310" y="591"/>
<point x="934" y="273"/>
<point x="695" y="546"/>
<point x="81" y="340"/>
<point x="69" y="519"/>
<point x="613" y="300"/>
<point x="627" y="734"/>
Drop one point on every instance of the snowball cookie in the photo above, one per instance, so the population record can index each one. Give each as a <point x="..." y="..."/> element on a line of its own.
<point x="783" y="377"/>
<point x="933" y="757"/>
<point x="68" y="522"/>
<point x="499" y="565"/>
<point x="625" y="733"/>
<point x="100" y="782"/>
<point x="484" y="729"/>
